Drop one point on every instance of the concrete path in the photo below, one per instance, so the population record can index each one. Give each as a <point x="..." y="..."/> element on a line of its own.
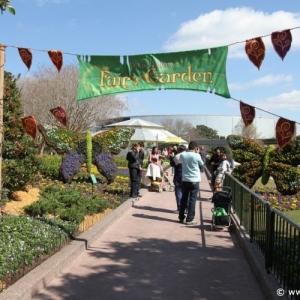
<point x="148" y="254"/>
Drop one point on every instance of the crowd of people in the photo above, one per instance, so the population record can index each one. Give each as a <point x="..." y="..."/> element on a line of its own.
<point x="187" y="165"/>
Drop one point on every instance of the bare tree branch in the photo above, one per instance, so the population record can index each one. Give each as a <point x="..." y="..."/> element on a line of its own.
<point x="47" y="89"/>
<point x="181" y="128"/>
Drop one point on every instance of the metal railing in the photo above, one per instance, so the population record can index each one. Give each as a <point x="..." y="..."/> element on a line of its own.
<point x="275" y="235"/>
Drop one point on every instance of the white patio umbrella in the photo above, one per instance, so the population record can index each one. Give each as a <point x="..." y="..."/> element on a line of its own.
<point x="149" y="132"/>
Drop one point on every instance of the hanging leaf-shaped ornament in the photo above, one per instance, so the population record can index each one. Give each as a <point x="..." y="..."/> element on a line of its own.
<point x="282" y="41"/>
<point x="57" y="58"/>
<point x="26" y="56"/>
<point x="255" y="49"/>
<point x="285" y="130"/>
<point x="248" y="113"/>
<point x="29" y="125"/>
<point x="60" y="114"/>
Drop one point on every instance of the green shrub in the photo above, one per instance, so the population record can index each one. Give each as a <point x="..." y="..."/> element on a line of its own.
<point x="121" y="161"/>
<point x="49" y="165"/>
<point x="95" y="204"/>
<point x="67" y="204"/>
<point x="72" y="214"/>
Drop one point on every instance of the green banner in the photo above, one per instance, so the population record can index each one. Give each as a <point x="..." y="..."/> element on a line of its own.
<point x="199" y="70"/>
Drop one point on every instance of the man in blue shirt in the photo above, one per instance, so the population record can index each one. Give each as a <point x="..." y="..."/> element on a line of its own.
<point x="191" y="162"/>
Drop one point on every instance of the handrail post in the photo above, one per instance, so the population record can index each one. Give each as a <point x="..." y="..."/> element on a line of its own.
<point x="270" y="221"/>
<point x="251" y="218"/>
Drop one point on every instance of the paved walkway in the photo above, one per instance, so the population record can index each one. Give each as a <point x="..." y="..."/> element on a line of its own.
<point x="148" y="254"/>
<point x="142" y="252"/>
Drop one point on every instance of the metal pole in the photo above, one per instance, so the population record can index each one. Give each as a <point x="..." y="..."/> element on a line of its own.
<point x="2" y="58"/>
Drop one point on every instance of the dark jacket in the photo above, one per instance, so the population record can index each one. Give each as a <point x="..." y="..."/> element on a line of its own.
<point x="177" y="179"/>
<point x="133" y="158"/>
<point x="215" y="159"/>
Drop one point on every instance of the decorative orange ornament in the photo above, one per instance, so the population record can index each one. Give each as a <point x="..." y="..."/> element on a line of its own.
<point x="255" y="49"/>
<point x="285" y="130"/>
<point x="282" y="41"/>
<point x="26" y="56"/>
<point x="29" y="125"/>
<point x="248" y="113"/>
<point x="60" y="114"/>
<point x="57" y="58"/>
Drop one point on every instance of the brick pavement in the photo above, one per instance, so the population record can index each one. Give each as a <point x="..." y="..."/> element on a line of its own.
<point x="147" y="254"/>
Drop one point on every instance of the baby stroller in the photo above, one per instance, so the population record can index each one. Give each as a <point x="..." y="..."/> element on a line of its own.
<point x="222" y="200"/>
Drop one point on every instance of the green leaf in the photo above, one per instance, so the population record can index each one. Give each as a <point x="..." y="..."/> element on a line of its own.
<point x="11" y="9"/>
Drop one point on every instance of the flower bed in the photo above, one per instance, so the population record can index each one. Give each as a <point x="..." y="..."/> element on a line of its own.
<point x="26" y="240"/>
<point x="278" y="201"/>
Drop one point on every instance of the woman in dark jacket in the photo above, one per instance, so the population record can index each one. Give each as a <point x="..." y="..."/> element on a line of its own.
<point x="134" y="166"/>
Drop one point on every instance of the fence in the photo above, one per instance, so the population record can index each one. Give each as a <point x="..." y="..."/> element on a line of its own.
<point x="275" y="235"/>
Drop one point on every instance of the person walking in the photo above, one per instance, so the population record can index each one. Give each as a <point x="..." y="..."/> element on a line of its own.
<point x="177" y="179"/>
<point x="191" y="178"/>
<point x="215" y="161"/>
<point x="139" y="178"/>
<point x="134" y="166"/>
<point x="174" y="152"/>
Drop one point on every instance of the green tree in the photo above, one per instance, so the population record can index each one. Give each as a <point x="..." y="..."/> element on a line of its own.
<point x="19" y="164"/>
<point x="207" y="132"/>
<point x="4" y="4"/>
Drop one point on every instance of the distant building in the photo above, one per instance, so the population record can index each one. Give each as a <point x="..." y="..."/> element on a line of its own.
<point x="224" y="125"/>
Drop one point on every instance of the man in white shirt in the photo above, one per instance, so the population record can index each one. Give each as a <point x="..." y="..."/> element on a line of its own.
<point x="191" y="178"/>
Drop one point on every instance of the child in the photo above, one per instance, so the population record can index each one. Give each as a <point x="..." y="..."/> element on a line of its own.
<point x="223" y="167"/>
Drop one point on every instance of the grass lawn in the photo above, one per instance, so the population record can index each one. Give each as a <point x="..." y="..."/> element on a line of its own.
<point x="270" y="184"/>
<point x="294" y="215"/>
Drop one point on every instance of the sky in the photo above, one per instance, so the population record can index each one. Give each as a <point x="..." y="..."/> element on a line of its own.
<point x="98" y="27"/>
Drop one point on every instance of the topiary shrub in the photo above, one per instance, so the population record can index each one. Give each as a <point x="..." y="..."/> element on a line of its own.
<point x="71" y="164"/>
<point x="106" y="166"/>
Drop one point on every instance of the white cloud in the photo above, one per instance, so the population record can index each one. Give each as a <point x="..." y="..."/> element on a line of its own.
<point x="219" y="28"/>
<point x="285" y="101"/>
<point x="43" y="2"/>
<point x="264" y="81"/>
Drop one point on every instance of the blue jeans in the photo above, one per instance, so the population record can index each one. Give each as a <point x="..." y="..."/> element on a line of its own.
<point x="189" y="190"/>
<point x="178" y="196"/>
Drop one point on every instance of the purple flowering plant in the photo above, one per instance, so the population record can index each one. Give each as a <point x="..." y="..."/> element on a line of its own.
<point x="71" y="164"/>
<point x="106" y="166"/>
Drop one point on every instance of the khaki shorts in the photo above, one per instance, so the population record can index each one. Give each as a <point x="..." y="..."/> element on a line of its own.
<point x="219" y="178"/>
